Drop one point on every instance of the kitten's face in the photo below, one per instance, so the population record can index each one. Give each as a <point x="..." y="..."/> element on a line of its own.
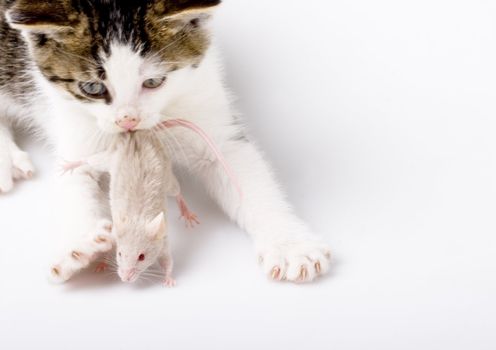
<point x="123" y="61"/>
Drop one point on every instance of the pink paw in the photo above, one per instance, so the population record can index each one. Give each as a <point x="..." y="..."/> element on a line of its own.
<point x="69" y="167"/>
<point x="101" y="267"/>
<point x="169" y="282"/>
<point x="189" y="217"/>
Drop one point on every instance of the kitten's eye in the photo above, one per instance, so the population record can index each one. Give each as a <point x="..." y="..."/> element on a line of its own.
<point x="141" y="257"/>
<point x="153" y="83"/>
<point x="93" y="89"/>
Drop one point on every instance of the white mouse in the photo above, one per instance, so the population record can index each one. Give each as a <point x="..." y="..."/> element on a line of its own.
<point x="141" y="178"/>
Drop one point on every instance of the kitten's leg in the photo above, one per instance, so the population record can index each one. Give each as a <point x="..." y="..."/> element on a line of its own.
<point x="82" y="255"/>
<point x="82" y="208"/>
<point x="14" y="163"/>
<point x="167" y="264"/>
<point x="287" y="248"/>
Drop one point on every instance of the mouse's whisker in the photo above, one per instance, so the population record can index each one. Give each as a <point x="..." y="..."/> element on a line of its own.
<point x="110" y="261"/>
<point x="164" y="142"/>
<point x="154" y="268"/>
<point x="152" y="274"/>
<point x="176" y="146"/>
<point x="145" y="279"/>
<point x="153" y="277"/>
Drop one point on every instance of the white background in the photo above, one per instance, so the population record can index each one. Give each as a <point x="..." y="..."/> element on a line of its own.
<point x="379" y="117"/>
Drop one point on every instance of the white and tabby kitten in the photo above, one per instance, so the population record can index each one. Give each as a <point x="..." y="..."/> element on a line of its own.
<point x="84" y="70"/>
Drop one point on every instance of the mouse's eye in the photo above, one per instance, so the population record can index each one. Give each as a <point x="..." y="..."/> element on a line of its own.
<point x="141" y="257"/>
<point x="120" y="254"/>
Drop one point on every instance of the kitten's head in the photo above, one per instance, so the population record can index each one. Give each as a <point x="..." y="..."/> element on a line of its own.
<point x="138" y="245"/>
<point x="122" y="61"/>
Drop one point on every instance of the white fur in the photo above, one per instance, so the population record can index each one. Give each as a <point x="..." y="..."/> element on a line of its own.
<point x="83" y="253"/>
<point x="140" y="179"/>
<point x="14" y="163"/>
<point x="285" y="245"/>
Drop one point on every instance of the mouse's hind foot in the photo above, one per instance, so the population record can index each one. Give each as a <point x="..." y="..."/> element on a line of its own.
<point x="189" y="217"/>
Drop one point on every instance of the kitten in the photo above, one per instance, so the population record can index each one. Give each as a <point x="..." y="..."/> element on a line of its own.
<point x="82" y="70"/>
<point x="141" y="178"/>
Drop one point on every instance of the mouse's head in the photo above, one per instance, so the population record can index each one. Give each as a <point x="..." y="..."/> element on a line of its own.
<point x="138" y="245"/>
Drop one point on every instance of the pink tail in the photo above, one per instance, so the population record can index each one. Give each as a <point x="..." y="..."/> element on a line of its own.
<point x="184" y="123"/>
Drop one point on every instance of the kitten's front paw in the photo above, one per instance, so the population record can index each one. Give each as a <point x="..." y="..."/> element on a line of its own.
<point x="84" y="253"/>
<point x="297" y="261"/>
<point x="14" y="165"/>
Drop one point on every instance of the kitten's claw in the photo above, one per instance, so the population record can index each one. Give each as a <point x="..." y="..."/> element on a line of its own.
<point x="276" y="273"/>
<point x="103" y="237"/>
<point x="295" y="261"/>
<point x="318" y="267"/>
<point x="57" y="275"/>
<point x="105" y="226"/>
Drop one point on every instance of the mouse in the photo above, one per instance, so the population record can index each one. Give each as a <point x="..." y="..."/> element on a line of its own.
<point x="141" y="178"/>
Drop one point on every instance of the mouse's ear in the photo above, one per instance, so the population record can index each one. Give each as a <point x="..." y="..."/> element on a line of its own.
<point x="156" y="228"/>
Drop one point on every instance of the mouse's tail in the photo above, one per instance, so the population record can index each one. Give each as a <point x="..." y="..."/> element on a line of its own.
<point x="218" y="154"/>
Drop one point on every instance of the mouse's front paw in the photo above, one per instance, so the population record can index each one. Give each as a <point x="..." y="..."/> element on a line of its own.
<point x="169" y="282"/>
<point x="296" y="260"/>
<point x="101" y="267"/>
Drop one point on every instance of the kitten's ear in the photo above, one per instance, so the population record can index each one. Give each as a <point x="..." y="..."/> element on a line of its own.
<point x="39" y="16"/>
<point x="156" y="228"/>
<point x="194" y="11"/>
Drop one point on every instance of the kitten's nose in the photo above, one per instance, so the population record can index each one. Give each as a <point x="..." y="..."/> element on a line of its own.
<point x="128" y="123"/>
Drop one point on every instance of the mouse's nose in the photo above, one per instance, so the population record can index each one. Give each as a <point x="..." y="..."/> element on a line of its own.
<point x="128" y="123"/>
<point x="128" y="276"/>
